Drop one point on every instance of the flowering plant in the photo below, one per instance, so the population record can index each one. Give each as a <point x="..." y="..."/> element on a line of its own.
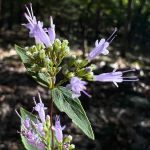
<point x="45" y="61"/>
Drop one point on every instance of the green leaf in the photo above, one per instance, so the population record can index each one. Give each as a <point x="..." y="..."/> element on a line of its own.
<point x="41" y="78"/>
<point x="22" y="53"/>
<point x="24" y="114"/>
<point x="62" y="98"/>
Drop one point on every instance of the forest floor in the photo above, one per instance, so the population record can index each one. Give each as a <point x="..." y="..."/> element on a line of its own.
<point x="120" y="116"/>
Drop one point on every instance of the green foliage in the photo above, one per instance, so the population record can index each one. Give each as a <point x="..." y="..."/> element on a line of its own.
<point x="24" y="114"/>
<point x="22" y="53"/>
<point x="42" y="78"/>
<point x="62" y="97"/>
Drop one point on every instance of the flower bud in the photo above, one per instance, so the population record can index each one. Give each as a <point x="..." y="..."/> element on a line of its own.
<point x="35" y="55"/>
<point x="28" y="53"/>
<point x="72" y="146"/>
<point x="57" y="45"/>
<point x="89" y="76"/>
<point x="40" y="46"/>
<point x="65" y="43"/>
<point x="42" y="54"/>
<point x="73" y="56"/>
<point x="33" y="49"/>
<point x="69" y="138"/>
<point x="44" y="69"/>
<point x="64" y="47"/>
<point x="48" y="62"/>
<point x="93" y="66"/>
<point x="70" y="75"/>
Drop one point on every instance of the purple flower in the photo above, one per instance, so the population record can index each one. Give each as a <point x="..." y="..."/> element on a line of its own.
<point x="39" y="107"/>
<point x="33" y="139"/>
<point x="28" y="133"/>
<point x="58" y="129"/>
<point x="40" y="128"/>
<point x="101" y="46"/>
<point x="77" y="86"/>
<point x="41" y="34"/>
<point x="115" y="77"/>
<point x="32" y="23"/>
<point x="37" y="31"/>
<point x="26" y="122"/>
<point x="51" y="31"/>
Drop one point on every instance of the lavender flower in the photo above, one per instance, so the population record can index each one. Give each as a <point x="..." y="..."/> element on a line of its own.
<point x="33" y="139"/>
<point x="39" y="107"/>
<point x="58" y="129"/>
<point x="28" y="133"/>
<point x="101" y="46"/>
<point x="77" y="86"/>
<point x="51" y="31"/>
<point x="40" y="128"/>
<point x="115" y="77"/>
<point x="37" y="31"/>
<point x="26" y="122"/>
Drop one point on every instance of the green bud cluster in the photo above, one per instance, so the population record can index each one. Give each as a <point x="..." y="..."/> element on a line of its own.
<point x="78" y="67"/>
<point x="47" y="60"/>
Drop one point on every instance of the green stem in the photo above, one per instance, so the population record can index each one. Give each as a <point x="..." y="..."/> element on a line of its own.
<point x="52" y="133"/>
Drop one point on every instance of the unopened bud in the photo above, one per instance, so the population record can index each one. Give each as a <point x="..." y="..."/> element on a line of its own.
<point x="44" y="70"/>
<point x="42" y="54"/>
<point x="74" y="56"/>
<point x="65" y="43"/>
<point x="28" y="53"/>
<point x="72" y="146"/>
<point x="78" y="61"/>
<point x="70" y="75"/>
<point x="40" y="46"/>
<point x="89" y="76"/>
<point x="69" y="137"/>
<point x="57" y="45"/>
<point x="66" y="51"/>
<point x="93" y="67"/>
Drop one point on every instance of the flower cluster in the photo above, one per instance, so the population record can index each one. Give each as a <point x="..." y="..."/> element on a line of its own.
<point x="37" y="129"/>
<point x="49" y="53"/>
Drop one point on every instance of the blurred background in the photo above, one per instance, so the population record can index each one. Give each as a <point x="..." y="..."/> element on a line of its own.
<point x="120" y="116"/>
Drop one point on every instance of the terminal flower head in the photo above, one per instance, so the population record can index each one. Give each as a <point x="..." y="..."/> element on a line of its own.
<point x="39" y="107"/>
<point x="115" y="77"/>
<point x="58" y="129"/>
<point x="77" y="86"/>
<point x="41" y="35"/>
<point x="101" y="46"/>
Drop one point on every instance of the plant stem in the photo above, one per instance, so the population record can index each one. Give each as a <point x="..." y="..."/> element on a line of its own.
<point x="51" y="117"/>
